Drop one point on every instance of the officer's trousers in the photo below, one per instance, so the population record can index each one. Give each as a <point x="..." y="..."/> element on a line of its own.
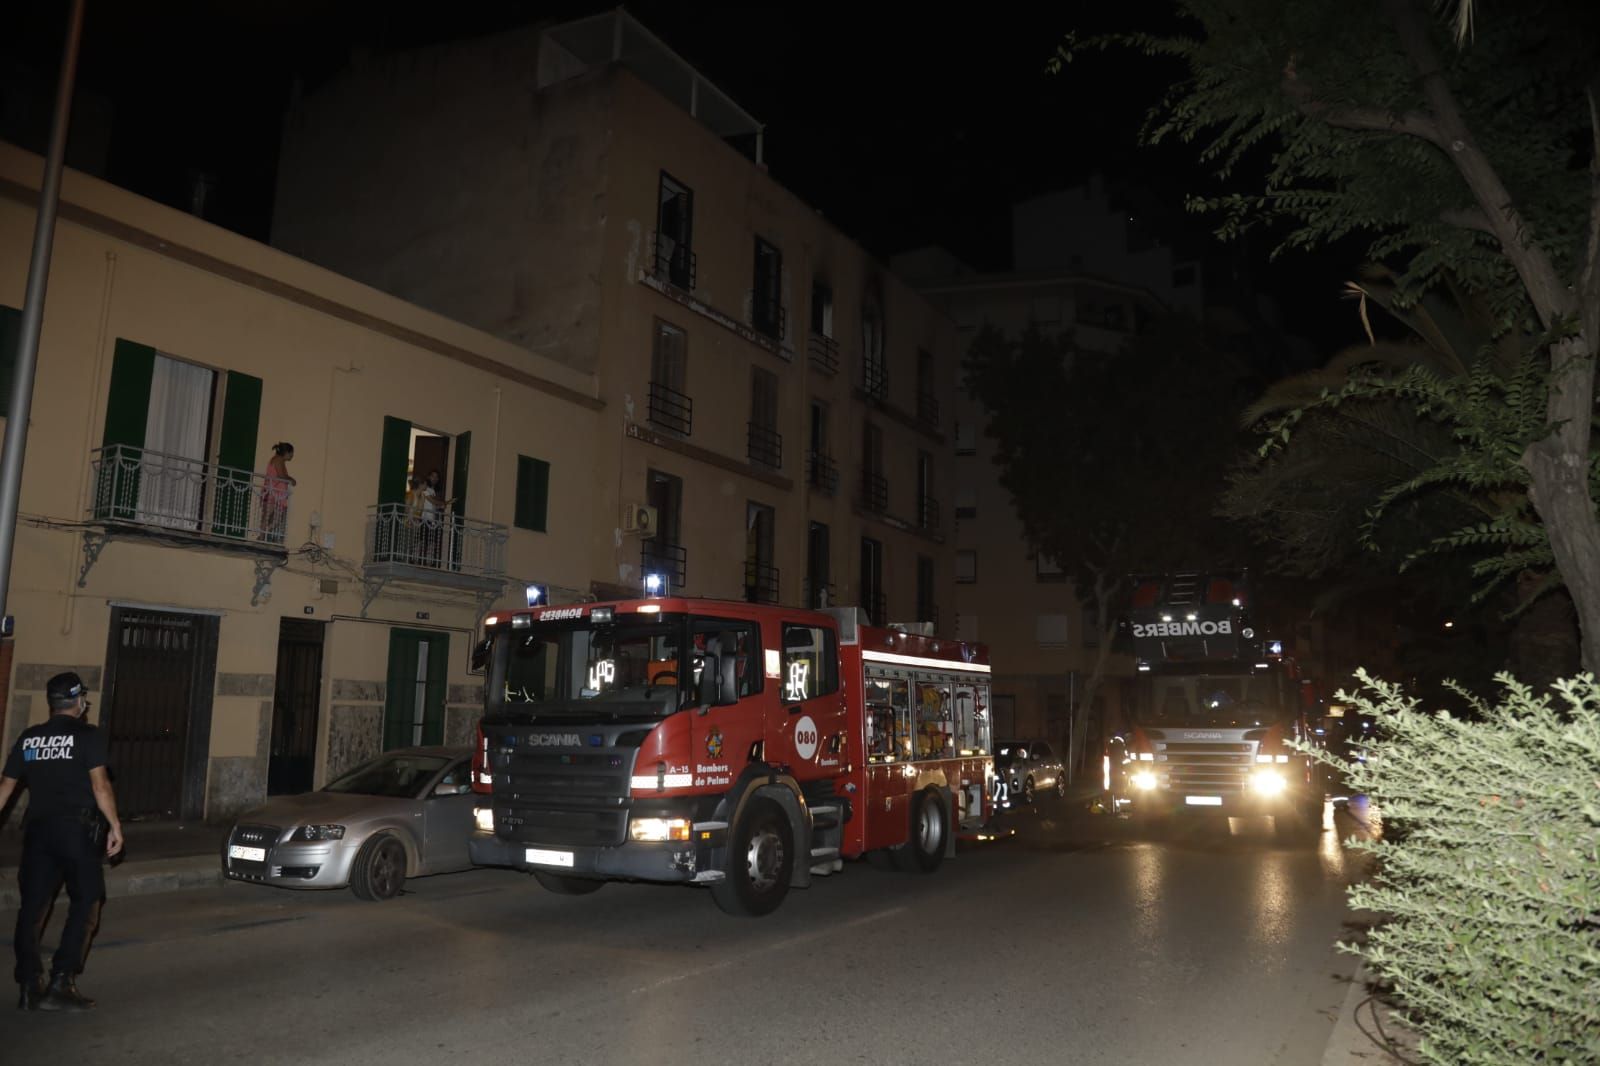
<point x="57" y="849"/>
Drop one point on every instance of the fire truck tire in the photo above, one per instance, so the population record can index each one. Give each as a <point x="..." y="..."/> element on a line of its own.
<point x="565" y="885"/>
<point x="760" y="862"/>
<point x="930" y="835"/>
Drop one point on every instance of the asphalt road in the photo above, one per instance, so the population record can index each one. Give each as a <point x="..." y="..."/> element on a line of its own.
<point x="1075" y="941"/>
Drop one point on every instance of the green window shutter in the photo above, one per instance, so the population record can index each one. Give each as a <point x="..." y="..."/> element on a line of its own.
<point x="236" y="450"/>
<point x="127" y="410"/>
<point x="393" y="460"/>
<point x="10" y="341"/>
<point x="400" y="697"/>
<point x="533" y="493"/>
<point x="458" y="473"/>
<point x="434" y="690"/>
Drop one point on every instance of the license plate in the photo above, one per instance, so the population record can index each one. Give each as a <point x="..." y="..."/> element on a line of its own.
<point x="548" y="858"/>
<point x="239" y="851"/>
<point x="1203" y="801"/>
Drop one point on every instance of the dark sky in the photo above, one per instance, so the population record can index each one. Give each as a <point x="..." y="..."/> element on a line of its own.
<point x="903" y="127"/>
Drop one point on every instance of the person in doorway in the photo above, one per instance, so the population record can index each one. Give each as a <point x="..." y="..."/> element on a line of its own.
<point x="70" y="826"/>
<point x="433" y="508"/>
<point x="275" y="493"/>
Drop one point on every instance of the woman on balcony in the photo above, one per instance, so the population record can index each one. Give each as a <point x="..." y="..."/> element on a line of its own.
<point x="275" y="493"/>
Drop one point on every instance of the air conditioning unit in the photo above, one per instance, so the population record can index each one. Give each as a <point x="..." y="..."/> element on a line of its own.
<point x="639" y="518"/>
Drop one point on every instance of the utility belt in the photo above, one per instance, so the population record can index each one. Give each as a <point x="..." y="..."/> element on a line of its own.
<point x="88" y="817"/>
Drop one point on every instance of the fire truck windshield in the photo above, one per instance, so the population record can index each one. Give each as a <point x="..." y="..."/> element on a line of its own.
<point x="632" y="661"/>
<point x="1212" y="700"/>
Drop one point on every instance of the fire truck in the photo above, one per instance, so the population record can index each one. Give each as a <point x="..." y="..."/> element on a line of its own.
<point x="744" y="747"/>
<point x="1215" y="707"/>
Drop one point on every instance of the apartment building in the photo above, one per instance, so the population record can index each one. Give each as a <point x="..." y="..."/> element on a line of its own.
<point x="240" y="636"/>
<point x="778" y="404"/>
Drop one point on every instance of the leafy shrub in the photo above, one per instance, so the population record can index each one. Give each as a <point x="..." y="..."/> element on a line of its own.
<point x="1489" y="892"/>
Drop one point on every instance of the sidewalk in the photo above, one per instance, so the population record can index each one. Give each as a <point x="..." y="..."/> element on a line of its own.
<point x="157" y="857"/>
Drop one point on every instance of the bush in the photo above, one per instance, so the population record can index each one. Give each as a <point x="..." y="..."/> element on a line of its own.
<point x="1489" y="893"/>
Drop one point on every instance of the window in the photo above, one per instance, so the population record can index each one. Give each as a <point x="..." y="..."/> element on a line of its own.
<point x="888" y="719"/>
<point x="1045" y="568"/>
<point x="874" y="368"/>
<point x="927" y="394"/>
<point x="966" y="502"/>
<point x="966" y="439"/>
<point x="662" y="553"/>
<point x="966" y="566"/>
<point x="821" y="309"/>
<point x="675" y="233"/>
<point x="763" y="442"/>
<point x="973" y="728"/>
<point x="1050" y="630"/>
<point x="874" y="486"/>
<point x="760" y="576"/>
<point x="872" y="599"/>
<point x="721" y="635"/>
<point x="766" y="301"/>
<point x="415" y="696"/>
<point x="927" y="504"/>
<point x="422" y="495"/>
<point x="819" y="586"/>
<point x="810" y="662"/>
<point x="533" y="494"/>
<point x="670" y="407"/>
<point x="935" y="737"/>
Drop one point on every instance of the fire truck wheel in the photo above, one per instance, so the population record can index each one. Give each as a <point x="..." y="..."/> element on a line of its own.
<point x="930" y="832"/>
<point x="760" y="862"/>
<point x="564" y="885"/>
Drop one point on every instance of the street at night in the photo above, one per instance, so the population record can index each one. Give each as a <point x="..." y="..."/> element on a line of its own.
<point x="1074" y="941"/>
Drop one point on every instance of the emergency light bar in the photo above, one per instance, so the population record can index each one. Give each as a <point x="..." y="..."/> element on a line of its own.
<point x="655" y="584"/>
<point x="538" y="595"/>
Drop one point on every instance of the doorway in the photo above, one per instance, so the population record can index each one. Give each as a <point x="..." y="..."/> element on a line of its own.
<point x="413" y="711"/>
<point x="296" y="701"/>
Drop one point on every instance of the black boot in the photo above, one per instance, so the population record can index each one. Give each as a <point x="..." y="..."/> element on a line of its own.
<point x="62" y="994"/>
<point x="28" y="992"/>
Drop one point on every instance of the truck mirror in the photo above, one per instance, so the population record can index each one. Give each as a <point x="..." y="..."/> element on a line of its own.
<point x="480" y="653"/>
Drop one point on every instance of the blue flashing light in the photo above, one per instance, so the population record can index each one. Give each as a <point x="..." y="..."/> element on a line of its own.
<point x="1274" y="647"/>
<point x="538" y="595"/>
<point x="655" y="584"/>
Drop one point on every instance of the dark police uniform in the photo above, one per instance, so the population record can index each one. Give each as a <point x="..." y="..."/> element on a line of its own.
<point x="63" y="837"/>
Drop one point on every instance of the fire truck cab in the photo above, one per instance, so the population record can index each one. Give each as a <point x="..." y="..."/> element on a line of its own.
<point x="1215" y="707"/>
<point x="744" y="747"/>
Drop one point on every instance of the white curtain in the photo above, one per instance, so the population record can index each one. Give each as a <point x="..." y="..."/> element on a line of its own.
<point x="173" y="473"/>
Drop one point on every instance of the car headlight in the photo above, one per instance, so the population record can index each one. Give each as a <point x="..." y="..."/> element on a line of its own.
<point x="484" y="816"/>
<point x="658" y="829"/>
<point x="1145" y="781"/>
<point x="1268" y="783"/>
<point x="318" y="832"/>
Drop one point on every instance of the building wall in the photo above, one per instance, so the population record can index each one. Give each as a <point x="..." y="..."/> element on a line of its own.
<point x="334" y="358"/>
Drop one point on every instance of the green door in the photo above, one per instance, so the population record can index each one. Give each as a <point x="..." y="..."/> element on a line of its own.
<point x="413" y="711"/>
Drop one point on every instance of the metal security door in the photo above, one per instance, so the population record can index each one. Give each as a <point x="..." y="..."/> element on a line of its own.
<point x="158" y="710"/>
<point x="296" y="697"/>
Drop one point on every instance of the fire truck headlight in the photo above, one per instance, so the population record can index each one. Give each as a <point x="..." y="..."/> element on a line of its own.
<point x="1268" y="783"/>
<point x="658" y="829"/>
<point x="1145" y="781"/>
<point x="484" y="817"/>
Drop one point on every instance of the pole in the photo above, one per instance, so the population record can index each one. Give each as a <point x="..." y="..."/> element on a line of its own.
<point x="21" y="402"/>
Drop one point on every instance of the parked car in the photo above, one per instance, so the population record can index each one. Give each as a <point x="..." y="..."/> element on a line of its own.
<point x="404" y="814"/>
<point x="1026" y="768"/>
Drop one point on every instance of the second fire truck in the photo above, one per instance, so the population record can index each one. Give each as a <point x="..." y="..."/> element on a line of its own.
<point x="739" y="746"/>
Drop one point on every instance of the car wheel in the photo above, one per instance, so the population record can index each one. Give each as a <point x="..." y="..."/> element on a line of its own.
<point x="1061" y="785"/>
<point x="1027" y="792"/>
<point x="379" y="872"/>
<point x="930" y="834"/>
<point x="567" y="885"/>
<point x="760" y="862"/>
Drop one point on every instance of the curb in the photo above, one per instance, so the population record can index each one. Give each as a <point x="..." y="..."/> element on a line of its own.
<point x="1352" y="1043"/>
<point x="145" y="878"/>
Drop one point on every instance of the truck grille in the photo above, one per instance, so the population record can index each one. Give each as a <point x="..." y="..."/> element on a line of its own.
<point x="564" y="796"/>
<point x="1207" y="767"/>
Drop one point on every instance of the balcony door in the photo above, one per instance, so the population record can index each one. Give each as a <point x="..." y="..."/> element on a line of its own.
<point x="419" y="523"/>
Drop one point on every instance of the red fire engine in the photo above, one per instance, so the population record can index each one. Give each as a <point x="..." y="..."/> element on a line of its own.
<point x="741" y="746"/>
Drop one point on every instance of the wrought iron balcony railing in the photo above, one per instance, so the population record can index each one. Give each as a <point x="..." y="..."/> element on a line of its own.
<point x="760" y="582"/>
<point x="141" y="487"/>
<point x="819" y="594"/>
<point x="928" y="408"/>
<point x="443" y="542"/>
<point x="824" y="353"/>
<point x="822" y="473"/>
<point x="928" y="514"/>
<point x="670" y="409"/>
<point x="658" y="556"/>
<point x="763" y="444"/>
<point x="876" y="607"/>
<point x="874" y="492"/>
<point x="768" y="316"/>
<point x="875" y="378"/>
<point x="675" y="262"/>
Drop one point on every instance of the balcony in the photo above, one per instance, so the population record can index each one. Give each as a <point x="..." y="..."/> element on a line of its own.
<point x="824" y="353"/>
<point x="447" y="550"/>
<point x="875" y="378"/>
<point x="658" y="556"/>
<point x="674" y="262"/>
<point x="927" y="408"/>
<point x="764" y="445"/>
<point x="671" y="410"/>
<point x="928" y="514"/>
<point x="874" y="492"/>
<point x="171" y="493"/>
<point x="768" y="316"/>
<point x="822" y="473"/>
<point x="760" y="582"/>
<point x="876" y="607"/>
<point x="819" y="594"/>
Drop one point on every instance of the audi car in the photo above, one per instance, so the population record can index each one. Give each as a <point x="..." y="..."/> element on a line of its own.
<point x="1025" y="769"/>
<point x="404" y="814"/>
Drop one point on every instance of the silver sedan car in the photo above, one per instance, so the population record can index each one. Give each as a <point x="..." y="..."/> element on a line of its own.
<point x="404" y="814"/>
<point x="1025" y="769"/>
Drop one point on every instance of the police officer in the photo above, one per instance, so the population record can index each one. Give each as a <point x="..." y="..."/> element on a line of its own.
<point x="70" y="804"/>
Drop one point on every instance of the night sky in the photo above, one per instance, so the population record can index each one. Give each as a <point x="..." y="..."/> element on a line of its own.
<point x="902" y="127"/>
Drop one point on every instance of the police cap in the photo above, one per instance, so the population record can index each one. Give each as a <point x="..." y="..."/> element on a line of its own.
<point x="63" y="690"/>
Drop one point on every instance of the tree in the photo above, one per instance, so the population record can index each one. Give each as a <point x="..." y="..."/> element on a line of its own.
<point x="1474" y="159"/>
<point x="1114" y="463"/>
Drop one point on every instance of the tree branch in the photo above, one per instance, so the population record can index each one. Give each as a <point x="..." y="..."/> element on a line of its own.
<point x="1471" y="218"/>
<point x="1412" y="123"/>
<point x="1589" y="275"/>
